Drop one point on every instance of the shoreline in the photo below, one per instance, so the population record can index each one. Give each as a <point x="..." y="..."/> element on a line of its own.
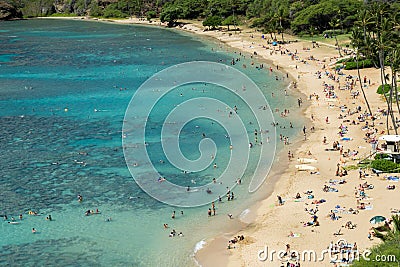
<point x="266" y="227"/>
<point x="275" y="172"/>
<point x="316" y="60"/>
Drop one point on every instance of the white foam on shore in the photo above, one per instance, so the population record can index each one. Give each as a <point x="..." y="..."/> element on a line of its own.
<point x="199" y="245"/>
<point x="196" y="262"/>
<point x="244" y="214"/>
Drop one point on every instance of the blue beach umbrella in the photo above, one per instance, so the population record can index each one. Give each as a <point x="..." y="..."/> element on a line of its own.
<point x="377" y="219"/>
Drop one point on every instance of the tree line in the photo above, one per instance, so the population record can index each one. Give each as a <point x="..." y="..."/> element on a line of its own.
<point x="375" y="36"/>
<point x="272" y="16"/>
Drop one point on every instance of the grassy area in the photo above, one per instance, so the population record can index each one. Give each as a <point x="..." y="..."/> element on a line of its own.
<point x="352" y="167"/>
<point x="386" y="254"/>
<point x="63" y="15"/>
<point x="343" y="39"/>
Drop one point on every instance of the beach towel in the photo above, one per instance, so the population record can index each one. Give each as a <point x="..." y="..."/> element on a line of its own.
<point x="393" y="178"/>
<point x="370" y="207"/>
<point x="295" y="235"/>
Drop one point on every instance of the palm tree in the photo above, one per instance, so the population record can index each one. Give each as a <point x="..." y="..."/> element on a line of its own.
<point x="377" y="33"/>
<point x="357" y="42"/>
<point x="383" y="42"/>
<point x="364" y="20"/>
<point x="394" y="56"/>
<point x="387" y="233"/>
<point x="334" y="23"/>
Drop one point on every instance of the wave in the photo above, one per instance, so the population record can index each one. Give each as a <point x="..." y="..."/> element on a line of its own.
<point x="244" y="214"/>
<point x="199" y="245"/>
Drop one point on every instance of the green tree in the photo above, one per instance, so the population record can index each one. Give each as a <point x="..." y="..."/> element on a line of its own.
<point x="379" y="43"/>
<point x="356" y="40"/>
<point x="114" y="11"/>
<point x="231" y="20"/>
<point x="192" y="8"/>
<point x="320" y="14"/>
<point x="334" y="23"/>
<point x="95" y="10"/>
<point x="151" y="15"/>
<point x="170" y="14"/>
<point x="280" y="18"/>
<point x="212" y="22"/>
<point x="387" y="233"/>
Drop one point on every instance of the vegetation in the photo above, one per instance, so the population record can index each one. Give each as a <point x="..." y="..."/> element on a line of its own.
<point x="328" y="17"/>
<point x="170" y="14"/>
<point x="384" y="91"/>
<point x="212" y="22"/>
<point x="352" y="64"/>
<point x="385" y="165"/>
<point x="151" y="15"/>
<point x="388" y="253"/>
<point x="9" y="11"/>
<point x="373" y="26"/>
<point x="376" y="36"/>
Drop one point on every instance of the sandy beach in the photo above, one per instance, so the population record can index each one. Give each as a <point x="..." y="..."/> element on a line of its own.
<point x="320" y="191"/>
<point x="340" y="213"/>
<point x="277" y="226"/>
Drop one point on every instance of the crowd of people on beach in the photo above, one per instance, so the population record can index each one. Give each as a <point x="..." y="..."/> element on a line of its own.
<point x="351" y="118"/>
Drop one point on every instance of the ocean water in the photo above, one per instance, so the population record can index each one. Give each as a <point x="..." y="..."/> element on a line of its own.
<point x="65" y="87"/>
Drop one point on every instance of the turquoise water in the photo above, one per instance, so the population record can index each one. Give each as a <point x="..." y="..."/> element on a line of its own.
<point x="64" y="89"/>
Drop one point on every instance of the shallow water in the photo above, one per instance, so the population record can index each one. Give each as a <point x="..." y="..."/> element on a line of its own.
<point x="64" y="89"/>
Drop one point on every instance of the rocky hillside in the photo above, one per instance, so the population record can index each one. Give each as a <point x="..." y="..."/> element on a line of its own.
<point x="9" y="11"/>
<point x="104" y="8"/>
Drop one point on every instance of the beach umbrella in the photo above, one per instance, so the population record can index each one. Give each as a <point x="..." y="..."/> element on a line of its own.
<point x="377" y="219"/>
